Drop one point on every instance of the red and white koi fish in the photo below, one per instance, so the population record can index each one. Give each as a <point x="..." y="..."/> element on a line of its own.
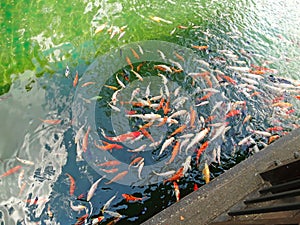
<point x="72" y="184"/>
<point x="117" y="177"/>
<point x="263" y="133"/>
<point x="124" y="137"/>
<point x="149" y="116"/>
<point x="97" y="220"/>
<point x="179" y="174"/>
<point x="10" y="171"/>
<point x="177" y="192"/>
<point x="85" y="140"/>
<point x="232" y="113"/>
<point x="163" y="68"/>
<point x="93" y="188"/>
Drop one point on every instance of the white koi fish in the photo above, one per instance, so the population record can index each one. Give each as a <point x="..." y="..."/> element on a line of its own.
<point x="107" y="204"/>
<point x="120" y="82"/>
<point x="26" y="162"/>
<point x="166" y="144"/>
<point x="137" y="75"/>
<point x="134" y="93"/>
<point x="77" y="208"/>
<point x="79" y="134"/>
<point x="139" y="149"/>
<point x="197" y="138"/>
<point x="114" y="97"/>
<point x="165" y="174"/>
<point x="150" y="116"/>
<point x="141" y="166"/>
<point x="93" y="189"/>
<point x="178" y="113"/>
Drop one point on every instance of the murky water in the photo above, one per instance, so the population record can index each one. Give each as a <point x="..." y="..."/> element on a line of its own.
<point x="94" y="38"/>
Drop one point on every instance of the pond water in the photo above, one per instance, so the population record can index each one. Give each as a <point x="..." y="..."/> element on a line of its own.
<point x="230" y="69"/>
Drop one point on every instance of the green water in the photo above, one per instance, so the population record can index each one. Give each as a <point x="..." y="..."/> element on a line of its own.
<point x="45" y="36"/>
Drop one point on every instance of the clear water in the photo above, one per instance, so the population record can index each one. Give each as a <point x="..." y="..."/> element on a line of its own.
<point x="40" y="39"/>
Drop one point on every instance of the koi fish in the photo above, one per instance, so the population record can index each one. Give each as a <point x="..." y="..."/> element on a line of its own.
<point x="125" y="137"/>
<point x="163" y="68"/>
<point x="195" y="187"/>
<point x="75" y="81"/>
<point x="201" y="48"/>
<point x="158" y="19"/>
<point x="179" y="174"/>
<point x="117" y="177"/>
<point x="111" y="87"/>
<point x="178" y="130"/>
<point x="232" y="113"/>
<point x="11" y="171"/>
<point x="273" y="138"/>
<point x="113" y="170"/>
<point x="21" y="178"/>
<point x="149" y="116"/>
<point x="166" y="144"/>
<point x="78" y="134"/>
<point x="206" y="173"/>
<point x="88" y="83"/>
<point x="166" y="107"/>
<point x="100" y="28"/>
<point x="275" y="128"/>
<point x="134" y="53"/>
<point x="93" y="189"/>
<point x="141" y="166"/>
<point x="80" y="220"/>
<point x="108" y="146"/>
<point x="247" y="118"/>
<point x="174" y="152"/>
<point x="97" y="220"/>
<point x="201" y="150"/>
<point x="197" y="138"/>
<point x="139" y="149"/>
<point x="165" y="174"/>
<point x="51" y="121"/>
<point x="67" y="72"/>
<point x="129" y="63"/>
<point x="107" y="204"/>
<point x="85" y="140"/>
<point x="136" y="160"/>
<point x="25" y="162"/>
<point x="72" y="184"/>
<point x="229" y="79"/>
<point x="137" y="75"/>
<point x="192" y="117"/>
<point x="282" y="104"/>
<point x="110" y="163"/>
<point x="77" y="208"/>
<point x="131" y="198"/>
<point x="177" y="192"/>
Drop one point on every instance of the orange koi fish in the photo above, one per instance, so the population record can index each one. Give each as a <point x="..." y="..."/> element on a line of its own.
<point x="129" y="62"/>
<point x="247" y="118"/>
<point x="110" y="163"/>
<point x="88" y="83"/>
<point x="130" y="112"/>
<point x="111" y="87"/>
<point x="166" y="107"/>
<point x="72" y="184"/>
<point x="206" y="173"/>
<point x="51" y="121"/>
<point x="163" y="68"/>
<point x="179" y="174"/>
<point x="117" y="177"/>
<point x="297" y="97"/>
<point x="178" y="56"/>
<point x="161" y="103"/>
<point x="138" y="68"/>
<point x="113" y="170"/>
<point x="192" y="117"/>
<point x="208" y="81"/>
<point x="257" y="72"/>
<point x="125" y="137"/>
<point x="11" y="171"/>
<point x="164" y="120"/>
<point x="282" y="104"/>
<point x="178" y="130"/>
<point x="108" y="146"/>
<point x="201" y="150"/>
<point x="147" y="125"/>
<point x="205" y="97"/>
<point x="255" y="93"/>
<point x="201" y="48"/>
<point x="85" y="140"/>
<point x="273" y="138"/>
<point x="81" y="220"/>
<point x="182" y="27"/>
<point x="134" y="53"/>
<point x="131" y="198"/>
<point x="177" y="192"/>
<point x="210" y="118"/>
<point x="174" y="152"/>
<point x="228" y="79"/>
<point x="147" y="134"/>
<point x="75" y="81"/>
<point x="232" y="113"/>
